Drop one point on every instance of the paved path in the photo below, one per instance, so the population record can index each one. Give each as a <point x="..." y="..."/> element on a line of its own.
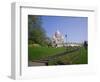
<point x="30" y="63"/>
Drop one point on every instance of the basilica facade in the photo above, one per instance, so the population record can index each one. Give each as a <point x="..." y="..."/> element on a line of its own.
<point x="57" y="39"/>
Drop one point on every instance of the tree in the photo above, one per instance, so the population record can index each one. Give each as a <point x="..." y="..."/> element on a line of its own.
<point x="85" y="44"/>
<point x="36" y="33"/>
<point x="48" y="41"/>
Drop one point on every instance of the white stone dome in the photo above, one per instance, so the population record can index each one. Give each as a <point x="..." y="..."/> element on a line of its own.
<point x="57" y="32"/>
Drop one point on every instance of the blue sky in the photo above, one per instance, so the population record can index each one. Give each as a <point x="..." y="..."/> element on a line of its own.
<point x="74" y="27"/>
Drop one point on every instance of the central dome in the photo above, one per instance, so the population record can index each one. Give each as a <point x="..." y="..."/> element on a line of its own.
<point x="57" y="32"/>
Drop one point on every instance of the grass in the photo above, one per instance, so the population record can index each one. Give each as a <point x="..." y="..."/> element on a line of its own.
<point x="77" y="57"/>
<point x="42" y="52"/>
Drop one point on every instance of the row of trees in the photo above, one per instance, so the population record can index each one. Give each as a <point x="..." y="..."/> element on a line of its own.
<point x="36" y="34"/>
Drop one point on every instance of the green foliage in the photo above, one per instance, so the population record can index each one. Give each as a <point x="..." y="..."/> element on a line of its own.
<point x="85" y="44"/>
<point x="34" y="45"/>
<point x="30" y="42"/>
<point x="35" y="31"/>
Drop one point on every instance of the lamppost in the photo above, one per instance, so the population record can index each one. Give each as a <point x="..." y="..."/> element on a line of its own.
<point x="66" y="41"/>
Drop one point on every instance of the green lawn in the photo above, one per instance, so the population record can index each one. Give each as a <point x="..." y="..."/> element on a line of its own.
<point x="77" y="57"/>
<point x="42" y="52"/>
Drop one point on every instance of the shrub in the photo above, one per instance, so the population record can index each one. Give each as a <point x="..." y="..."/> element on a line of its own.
<point x="34" y="45"/>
